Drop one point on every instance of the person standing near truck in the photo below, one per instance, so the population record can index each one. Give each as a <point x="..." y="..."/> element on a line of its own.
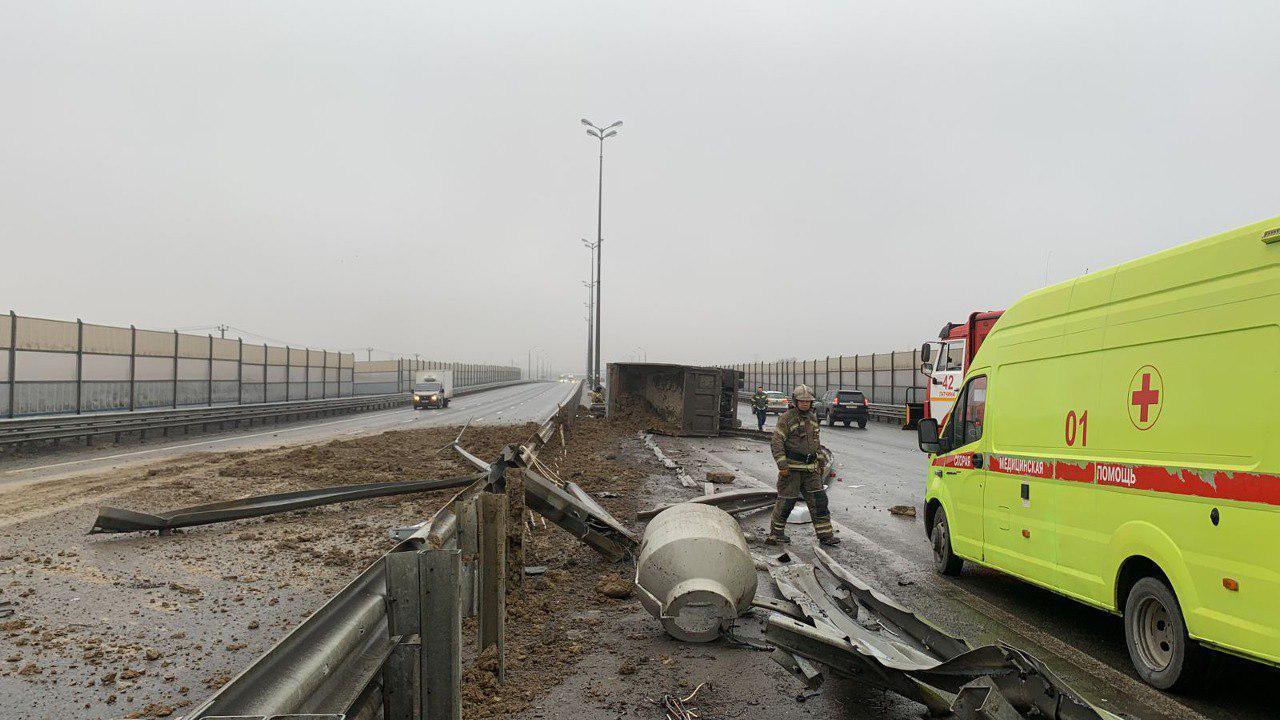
<point x="760" y="406"/>
<point x="797" y="451"/>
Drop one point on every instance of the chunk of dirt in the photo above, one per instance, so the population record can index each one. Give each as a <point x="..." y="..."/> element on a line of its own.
<point x="903" y="510"/>
<point x="612" y="586"/>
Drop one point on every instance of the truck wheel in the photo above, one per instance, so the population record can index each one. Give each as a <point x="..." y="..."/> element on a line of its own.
<point x="862" y="424"/>
<point x="831" y="420"/>
<point x="1159" y="647"/>
<point x="847" y="423"/>
<point x="446" y="403"/>
<point x="944" y="560"/>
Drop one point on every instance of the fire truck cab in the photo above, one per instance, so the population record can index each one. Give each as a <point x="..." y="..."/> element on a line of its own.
<point x="945" y="360"/>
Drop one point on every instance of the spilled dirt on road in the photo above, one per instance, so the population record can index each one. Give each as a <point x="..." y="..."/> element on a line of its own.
<point x="107" y="626"/>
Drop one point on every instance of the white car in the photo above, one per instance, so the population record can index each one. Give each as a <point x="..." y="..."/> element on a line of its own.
<point x="778" y="402"/>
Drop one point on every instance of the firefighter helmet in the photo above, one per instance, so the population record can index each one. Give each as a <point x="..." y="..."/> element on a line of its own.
<point x="802" y="392"/>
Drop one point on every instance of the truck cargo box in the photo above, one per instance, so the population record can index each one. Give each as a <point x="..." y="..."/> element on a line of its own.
<point x="686" y="399"/>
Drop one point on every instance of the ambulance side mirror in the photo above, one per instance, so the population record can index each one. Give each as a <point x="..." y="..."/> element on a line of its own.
<point x="926" y="352"/>
<point x="927" y="434"/>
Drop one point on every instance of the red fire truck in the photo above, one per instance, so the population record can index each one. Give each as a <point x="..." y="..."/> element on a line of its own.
<point x="945" y="360"/>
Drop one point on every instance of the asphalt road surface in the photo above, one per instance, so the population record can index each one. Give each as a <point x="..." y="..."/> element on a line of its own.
<point x="880" y="467"/>
<point x="516" y="404"/>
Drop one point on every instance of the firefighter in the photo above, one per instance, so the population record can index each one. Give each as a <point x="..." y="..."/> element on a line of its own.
<point x="797" y="451"/>
<point x="760" y="406"/>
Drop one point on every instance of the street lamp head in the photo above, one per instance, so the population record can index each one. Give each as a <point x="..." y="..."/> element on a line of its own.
<point x="611" y="133"/>
<point x="616" y="124"/>
<point x="593" y="133"/>
<point x="587" y="122"/>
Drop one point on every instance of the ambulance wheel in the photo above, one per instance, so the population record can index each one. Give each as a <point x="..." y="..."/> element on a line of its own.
<point x="862" y="424"/>
<point x="1165" y="657"/>
<point x="945" y="560"/>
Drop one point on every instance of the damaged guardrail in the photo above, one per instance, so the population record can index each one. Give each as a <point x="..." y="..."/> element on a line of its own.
<point x="389" y="644"/>
<point x="835" y="619"/>
<point x="119" y="520"/>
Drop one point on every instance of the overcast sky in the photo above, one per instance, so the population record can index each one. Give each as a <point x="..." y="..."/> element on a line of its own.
<point x="792" y="179"/>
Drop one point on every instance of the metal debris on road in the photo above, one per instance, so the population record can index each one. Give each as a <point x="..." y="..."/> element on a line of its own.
<point x="855" y="631"/>
<point x="675" y="705"/>
<point x="732" y="502"/>
<point x="119" y="520"/>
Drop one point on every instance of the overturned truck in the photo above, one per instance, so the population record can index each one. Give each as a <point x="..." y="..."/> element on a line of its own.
<point x="688" y="400"/>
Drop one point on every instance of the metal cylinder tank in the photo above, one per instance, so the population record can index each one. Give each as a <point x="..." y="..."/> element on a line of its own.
<point x="694" y="571"/>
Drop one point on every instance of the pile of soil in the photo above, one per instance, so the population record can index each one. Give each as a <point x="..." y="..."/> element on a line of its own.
<point x="550" y="620"/>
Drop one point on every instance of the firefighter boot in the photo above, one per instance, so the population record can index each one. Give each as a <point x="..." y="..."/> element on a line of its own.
<point x="778" y="522"/>
<point x="822" y="518"/>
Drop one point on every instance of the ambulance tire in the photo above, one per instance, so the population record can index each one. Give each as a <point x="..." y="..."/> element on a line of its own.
<point x="1162" y="653"/>
<point x="945" y="561"/>
<point x="862" y="424"/>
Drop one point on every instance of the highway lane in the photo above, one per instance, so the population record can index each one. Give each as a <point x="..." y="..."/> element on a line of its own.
<point x="881" y="467"/>
<point x="510" y="405"/>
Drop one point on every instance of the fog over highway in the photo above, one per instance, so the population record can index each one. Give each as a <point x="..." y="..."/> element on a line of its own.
<point x="340" y="176"/>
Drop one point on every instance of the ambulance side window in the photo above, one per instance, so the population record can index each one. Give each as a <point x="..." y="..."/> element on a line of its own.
<point x="975" y="409"/>
<point x="968" y="416"/>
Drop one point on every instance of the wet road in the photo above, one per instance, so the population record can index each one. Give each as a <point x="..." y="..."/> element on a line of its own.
<point x="517" y="404"/>
<point x="880" y="467"/>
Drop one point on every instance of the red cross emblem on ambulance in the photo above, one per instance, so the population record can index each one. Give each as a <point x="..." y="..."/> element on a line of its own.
<point x="1146" y="397"/>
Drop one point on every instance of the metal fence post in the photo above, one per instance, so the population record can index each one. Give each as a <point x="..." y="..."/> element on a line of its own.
<point x="79" y="365"/>
<point x="324" y="376"/>
<point x="288" y="371"/>
<point x="840" y="372"/>
<point x="210" y="370"/>
<point x="440" y="653"/>
<point x="133" y="366"/>
<point x="893" y="377"/>
<point x="240" y="372"/>
<point x="492" y="508"/>
<point x="264" y="372"/>
<point x="175" y="371"/>
<point x="873" y="378"/>
<point x="13" y="360"/>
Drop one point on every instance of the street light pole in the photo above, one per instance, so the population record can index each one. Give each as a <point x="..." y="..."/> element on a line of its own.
<point x="528" y="362"/>
<point x="591" y="303"/>
<point x="601" y="134"/>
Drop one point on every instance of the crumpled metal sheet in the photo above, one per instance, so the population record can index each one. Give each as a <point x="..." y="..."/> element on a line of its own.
<point x="732" y="502"/>
<point x="577" y="513"/>
<point x="119" y="520"/>
<point x="857" y="632"/>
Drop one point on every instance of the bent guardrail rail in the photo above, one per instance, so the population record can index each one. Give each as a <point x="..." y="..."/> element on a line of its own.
<point x="389" y="643"/>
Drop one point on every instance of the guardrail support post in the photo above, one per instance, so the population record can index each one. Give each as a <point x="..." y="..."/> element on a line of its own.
<point x="404" y="611"/>
<point x="515" y="508"/>
<point x="493" y="555"/>
<point x="468" y="544"/>
<point x="210" y="370"/>
<point x="440" y="654"/>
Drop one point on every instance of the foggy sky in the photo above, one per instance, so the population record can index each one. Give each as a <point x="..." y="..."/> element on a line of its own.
<point x="792" y="179"/>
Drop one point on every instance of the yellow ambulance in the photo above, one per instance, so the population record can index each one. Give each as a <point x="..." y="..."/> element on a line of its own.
<point x="1116" y="441"/>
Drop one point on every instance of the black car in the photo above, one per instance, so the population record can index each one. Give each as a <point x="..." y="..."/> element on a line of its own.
<point x="846" y="406"/>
